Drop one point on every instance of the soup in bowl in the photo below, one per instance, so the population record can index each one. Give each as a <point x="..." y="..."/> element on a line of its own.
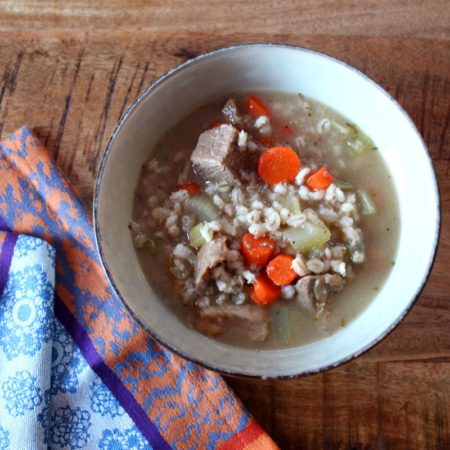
<point x="254" y="211"/>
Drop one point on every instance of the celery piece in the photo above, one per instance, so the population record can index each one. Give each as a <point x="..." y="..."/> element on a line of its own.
<point x="196" y="239"/>
<point x="343" y="185"/>
<point x="292" y="203"/>
<point x="142" y="241"/>
<point x="344" y="129"/>
<point x="151" y="245"/>
<point x="355" y="141"/>
<point x="203" y="207"/>
<point x="359" y="144"/>
<point x="308" y="236"/>
<point x="280" y="324"/>
<point x="367" y="204"/>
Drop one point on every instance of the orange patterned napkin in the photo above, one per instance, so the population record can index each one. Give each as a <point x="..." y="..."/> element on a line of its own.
<point x="174" y="403"/>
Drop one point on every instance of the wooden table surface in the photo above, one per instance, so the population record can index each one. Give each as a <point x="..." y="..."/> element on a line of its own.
<point x="70" y="69"/>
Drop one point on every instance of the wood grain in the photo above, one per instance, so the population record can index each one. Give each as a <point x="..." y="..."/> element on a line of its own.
<point x="326" y="17"/>
<point x="360" y="405"/>
<point x="70" y="70"/>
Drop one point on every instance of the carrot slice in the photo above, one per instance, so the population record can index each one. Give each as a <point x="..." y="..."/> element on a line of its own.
<point x="263" y="291"/>
<point x="255" y="250"/>
<point x="320" y="179"/>
<point x="279" y="270"/>
<point x="256" y="107"/>
<point x="278" y="164"/>
<point x="192" y="188"/>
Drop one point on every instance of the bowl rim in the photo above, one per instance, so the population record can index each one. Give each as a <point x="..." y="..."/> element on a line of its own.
<point x="198" y="59"/>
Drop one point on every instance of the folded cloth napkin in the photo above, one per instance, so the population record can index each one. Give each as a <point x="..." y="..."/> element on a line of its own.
<point x="76" y="370"/>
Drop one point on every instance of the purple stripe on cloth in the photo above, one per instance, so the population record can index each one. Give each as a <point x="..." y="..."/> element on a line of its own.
<point x="4" y="225"/>
<point x="114" y="384"/>
<point x="5" y="258"/>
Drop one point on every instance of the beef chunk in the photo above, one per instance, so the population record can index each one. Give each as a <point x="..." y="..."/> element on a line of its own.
<point x="231" y="112"/>
<point x="334" y="281"/>
<point x="212" y="157"/>
<point x="314" y="292"/>
<point x="248" y="320"/>
<point x="305" y="292"/>
<point x="210" y="255"/>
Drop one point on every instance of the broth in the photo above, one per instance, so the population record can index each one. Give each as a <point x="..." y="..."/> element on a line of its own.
<point x="307" y="121"/>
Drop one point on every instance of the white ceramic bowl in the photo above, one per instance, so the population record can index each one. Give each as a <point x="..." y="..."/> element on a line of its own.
<point x="283" y="68"/>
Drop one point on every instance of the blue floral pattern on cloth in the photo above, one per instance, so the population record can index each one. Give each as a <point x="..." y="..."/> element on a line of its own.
<point x="30" y="245"/>
<point x="49" y="395"/>
<point x="67" y="362"/>
<point x="27" y="303"/>
<point x="4" y="439"/>
<point x="44" y="416"/>
<point x="103" y="402"/>
<point x="121" y="440"/>
<point x="21" y="393"/>
<point x="70" y="427"/>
